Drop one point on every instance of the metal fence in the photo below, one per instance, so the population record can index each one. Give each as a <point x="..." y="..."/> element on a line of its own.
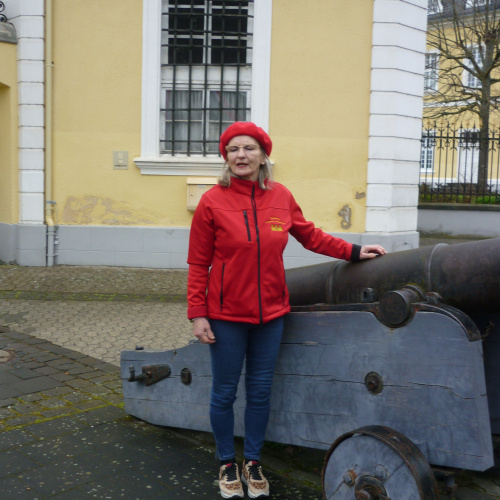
<point x="458" y="166"/>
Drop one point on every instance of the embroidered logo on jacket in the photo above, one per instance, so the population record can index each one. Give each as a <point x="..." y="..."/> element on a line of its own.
<point x="276" y="223"/>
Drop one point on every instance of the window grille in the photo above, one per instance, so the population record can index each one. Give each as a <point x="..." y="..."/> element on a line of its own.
<point x="431" y="71"/>
<point x="206" y="59"/>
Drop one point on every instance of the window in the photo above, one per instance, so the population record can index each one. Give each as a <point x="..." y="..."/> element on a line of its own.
<point x="434" y="6"/>
<point x="183" y="103"/>
<point x="206" y="73"/>
<point x="468" y="155"/>
<point x="431" y="71"/>
<point x="427" y="151"/>
<point x="477" y="3"/>
<point x="469" y="79"/>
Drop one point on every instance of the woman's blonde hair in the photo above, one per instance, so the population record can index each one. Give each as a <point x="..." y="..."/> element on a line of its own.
<point x="265" y="174"/>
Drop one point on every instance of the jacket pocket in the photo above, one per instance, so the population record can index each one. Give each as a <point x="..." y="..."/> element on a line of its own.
<point x="247" y="225"/>
<point x="222" y="287"/>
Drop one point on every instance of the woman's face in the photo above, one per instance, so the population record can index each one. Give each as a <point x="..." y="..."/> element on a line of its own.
<point x="245" y="157"/>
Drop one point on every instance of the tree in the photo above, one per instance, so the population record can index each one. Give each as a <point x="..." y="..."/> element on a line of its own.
<point x="466" y="36"/>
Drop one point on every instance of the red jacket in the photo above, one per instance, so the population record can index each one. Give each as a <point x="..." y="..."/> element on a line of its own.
<point x="241" y="232"/>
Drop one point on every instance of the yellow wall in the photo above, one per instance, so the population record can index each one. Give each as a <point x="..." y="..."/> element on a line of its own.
<point x="320" y="78"/>
<point x="9" y="207"/>
<point x="97" y="110"/>
<point x="320" y="91"/>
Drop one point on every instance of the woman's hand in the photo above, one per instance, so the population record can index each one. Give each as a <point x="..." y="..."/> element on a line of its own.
<point x="202" y="331"/>
<point x="371" y="251"/>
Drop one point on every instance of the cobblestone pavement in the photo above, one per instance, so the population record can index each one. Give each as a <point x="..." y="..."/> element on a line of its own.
<point x="63" y="432"/>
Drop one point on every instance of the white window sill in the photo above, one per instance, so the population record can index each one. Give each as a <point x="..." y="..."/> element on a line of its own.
<point x="181" y="165"/>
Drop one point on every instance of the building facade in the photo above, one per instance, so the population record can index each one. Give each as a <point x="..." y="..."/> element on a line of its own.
<point x="113" y="111"/>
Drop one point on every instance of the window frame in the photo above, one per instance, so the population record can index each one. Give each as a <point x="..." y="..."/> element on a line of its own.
<point x="151" y="162"/>
<point x="468" y="154"/>
<point x="428" y="72"/>
<point x="468" y="77"/>
<point x="428" y="152"/>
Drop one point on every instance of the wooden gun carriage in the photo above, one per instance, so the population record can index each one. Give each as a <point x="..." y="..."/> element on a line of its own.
<point x="390" y="364"/>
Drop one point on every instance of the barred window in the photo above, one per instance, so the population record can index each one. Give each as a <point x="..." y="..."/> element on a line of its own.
<point x="206" y="57"/>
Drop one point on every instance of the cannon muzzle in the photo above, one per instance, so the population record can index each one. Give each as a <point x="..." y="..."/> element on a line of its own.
<point x="465" y="275"/>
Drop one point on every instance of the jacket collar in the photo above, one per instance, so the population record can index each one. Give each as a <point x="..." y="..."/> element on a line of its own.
<point x="244" y="186"/>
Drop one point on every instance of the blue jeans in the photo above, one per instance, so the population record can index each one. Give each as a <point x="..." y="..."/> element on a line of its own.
<point x="233" y="342"/>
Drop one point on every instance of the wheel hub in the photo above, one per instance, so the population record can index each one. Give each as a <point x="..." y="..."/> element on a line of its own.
<point x="369" y="488"/>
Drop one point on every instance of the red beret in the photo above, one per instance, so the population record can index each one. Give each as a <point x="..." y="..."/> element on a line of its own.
<point x="245" y="128"/>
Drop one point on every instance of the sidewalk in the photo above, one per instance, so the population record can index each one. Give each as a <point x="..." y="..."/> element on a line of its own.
<point x="63" y="432"/>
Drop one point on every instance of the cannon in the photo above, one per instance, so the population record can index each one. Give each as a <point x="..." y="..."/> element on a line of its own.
<point x="387" y="364"/>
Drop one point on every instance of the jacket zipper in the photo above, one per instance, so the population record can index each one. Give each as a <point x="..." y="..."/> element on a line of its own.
<point x="257" y="237"/>
<point x="247" y="225"/>
<point x="222" y="287"/>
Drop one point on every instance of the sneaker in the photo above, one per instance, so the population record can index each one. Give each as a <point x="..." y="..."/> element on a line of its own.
<point x="230" y="482"/>
<point x="253" y="477"/>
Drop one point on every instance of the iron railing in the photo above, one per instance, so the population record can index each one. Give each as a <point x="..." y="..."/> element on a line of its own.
<point x="457" y="165"/>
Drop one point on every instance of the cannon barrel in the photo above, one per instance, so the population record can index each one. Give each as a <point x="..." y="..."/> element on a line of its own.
<point x="465" y="275"/>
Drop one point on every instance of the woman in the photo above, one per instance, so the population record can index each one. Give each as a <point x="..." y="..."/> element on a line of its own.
<point x="238" y="235"/>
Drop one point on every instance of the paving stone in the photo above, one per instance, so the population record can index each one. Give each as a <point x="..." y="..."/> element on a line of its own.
<point x="64" y="475"/>
<point x="7" y="402"/>
<point x="57" y="427"/>
<point x="64" y="365"/>
<point x="6" y="413"/>
<point x="8" y="378"/>
<point x="101" y="415"/>
<point x="21" y="420"/>
<point x="115" y="385"/>
<point x="62" y="377"/>
<point x="79" y="383"/>
<point x="33" y="364"/>
<point x="9" y="392"/>
<point x="14" y="439"/>
<point x="30" y="398"/>
<point x="80" y="370"/>
<point x="55" y="449"/>
<point x="58" y="412"/>
<point x="96" y="390"/>
<point x="24" y="373"/>
<point x="45" y="357"/>
<point x="53" y="403"/>
<point x="128" y="484"/>
<point x="38" y="384"/>
<point x="116" y="399"/>
<point x="91" y="375"/>
<point x="77" y="397"/>
<point x="12" y="487"/>
<point x="90" y="361"/>
<point x="24" y="408"/>
<point x="104" y="378"/>
<point x="58" y="391"/>
<point x="90" y="404"/>
<point x="107" y="434"/>
<point x="47" y="370"/>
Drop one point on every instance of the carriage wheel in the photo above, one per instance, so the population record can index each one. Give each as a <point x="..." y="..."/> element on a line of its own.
<point x="377" y="463"/>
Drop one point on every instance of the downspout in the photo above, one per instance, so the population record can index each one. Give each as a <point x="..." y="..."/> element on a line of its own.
<point x="49" y="203"/>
